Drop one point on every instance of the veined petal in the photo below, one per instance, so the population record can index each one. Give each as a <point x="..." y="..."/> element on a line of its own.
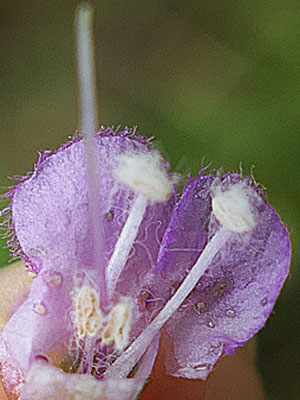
<point x="53" y="221"/>
<point x="51" y="209"/>
<point x="42" y="321"/>
<point x="236" y="294"/>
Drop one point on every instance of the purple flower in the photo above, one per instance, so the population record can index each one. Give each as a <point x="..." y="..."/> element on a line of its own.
<point x="116" y="269"/>
<point x="74" y="306"/>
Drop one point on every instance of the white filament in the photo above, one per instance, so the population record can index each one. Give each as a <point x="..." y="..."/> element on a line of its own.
<point x="130" y="357"/>
<point x="144" y="174"/>
<point x="125" y="242"/>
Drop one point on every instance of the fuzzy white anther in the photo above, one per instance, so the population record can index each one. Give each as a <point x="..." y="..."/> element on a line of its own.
<point x="88" y="316"/>
<point x="117" y="330"/>
<point x="144" y="173"/>
<point x="232" y="207"/>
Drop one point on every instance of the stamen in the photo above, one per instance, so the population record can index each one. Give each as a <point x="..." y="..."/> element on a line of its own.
<point x="130" y="357"/>
<point x="118" y="328"/>
<point x="144" y="174"/>
<point x="125" y="242"/>
<point x="232" y="207"/>
<point x="88" y="316"/>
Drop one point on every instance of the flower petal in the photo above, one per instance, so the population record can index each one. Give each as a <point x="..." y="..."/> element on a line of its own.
<point x="42" y="321"/>
<point x="45" y="382"/>
<point x="237" y="293"/>
<point x="51" y="208"/>
<point x="53" y="223"/>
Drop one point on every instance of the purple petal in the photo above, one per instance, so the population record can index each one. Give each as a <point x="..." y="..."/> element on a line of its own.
<point x="135" y="278"/>
<point x="42" y="321"/>
<point x="51" y="210"/>
<point x="237" y="293"/>
<point x="52" y="220"/>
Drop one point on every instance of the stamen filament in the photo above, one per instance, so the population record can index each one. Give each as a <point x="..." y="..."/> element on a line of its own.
<point x="131" y="356"/>
<point x="89" y="125"/>
<point x="86" y="363"/>
<point x="125" y="242"/>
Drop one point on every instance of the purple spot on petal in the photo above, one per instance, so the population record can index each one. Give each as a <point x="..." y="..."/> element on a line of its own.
<point x="230" y="313"/>
<point x="110" y="215"/>
<point x="264" y="301"/>
<point x="211" y="324"/>
<point x="40" y="309"/>
<point x="201" y="307"/>
<point x="53" y="279"/>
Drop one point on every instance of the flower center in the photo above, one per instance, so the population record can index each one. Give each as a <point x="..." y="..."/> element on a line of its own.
<point x="88" y="316"/>
<point x="111" y="329"/>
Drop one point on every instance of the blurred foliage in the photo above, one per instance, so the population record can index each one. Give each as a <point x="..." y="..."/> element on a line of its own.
<point x="218" y="79"/>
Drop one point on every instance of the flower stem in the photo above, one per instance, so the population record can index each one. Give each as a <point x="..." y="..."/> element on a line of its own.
<point x="130" y="357"/>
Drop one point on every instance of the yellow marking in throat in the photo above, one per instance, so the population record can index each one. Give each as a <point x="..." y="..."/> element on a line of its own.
<point x="88" y="317"/>
<point x="117" y="330"/>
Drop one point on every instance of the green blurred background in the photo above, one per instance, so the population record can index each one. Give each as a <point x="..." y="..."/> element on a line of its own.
<point x="217" y="79"/>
